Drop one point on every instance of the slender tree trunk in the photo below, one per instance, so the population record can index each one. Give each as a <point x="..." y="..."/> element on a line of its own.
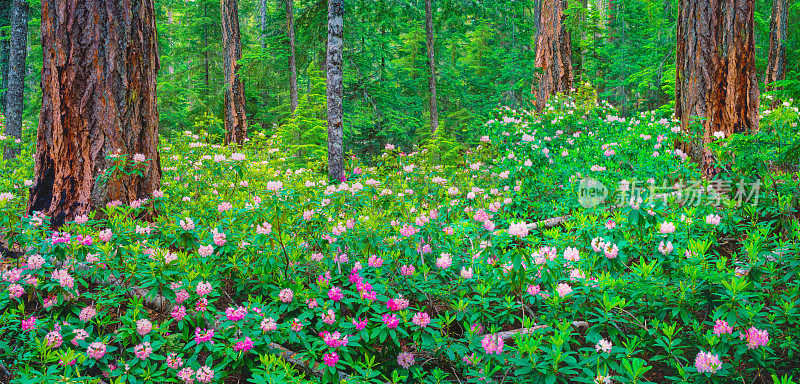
<point x="776" y="63"/>
<point x="5" y="45"/>
<point x="170" y="69"/>
<point x="235" y="119"/>
<point x="263" y="14"/>
<point x="292" y="65"/>
<point x="335" y="91"/>
<point x="431" y="66"/>
<point x="17" y="53"/>
<point x="98" y="102"/>
<point x="553" y="52"/>
<point x="715" y="73"/>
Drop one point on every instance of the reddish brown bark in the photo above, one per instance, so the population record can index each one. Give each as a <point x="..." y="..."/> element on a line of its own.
<point x="553" y="51"/>
<point x="716" y="82"/>
<point x="776" y="62"/>
<point x="235" y="119"/>
<point x="98" y="99"/>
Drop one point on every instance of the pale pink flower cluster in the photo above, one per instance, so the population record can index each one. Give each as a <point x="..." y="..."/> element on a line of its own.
<point x="105" y="235"/>
<point x="143" y="350"/>
<point x="665" y="248"/>
<point x="268" y="324"/>
<point x="518" y="229"/>
<point x="705" y="362"/>
<point x="397" y="304"/>
<point x="572" y="254"/>
<point x="328" y="317"/>
<point x="236" y="314"/>
<point x="187" y="224"/>
<point x="203" y="288"/>
<point x="274" y="186"/>
<point x="563" y="289"/>
<point x="63" y="277"/>
<point x="96" y="350"/>
<point x="444" y="261"/>
<point x="492" y="344"/>
<point x="35" y="261"/>
<point x="405" y="359"/>
<point x="286" y="295"/>
<point x="205" y="374"/>
<point x="205" y="250"/>
<point x="466" y="273"/>
<point x="408" y="230"/>
<point x="713" y="219"/>
<point x="202" y="336"/>
<point x="757" y="337"/>
<point x="264" y="228"/>
<point x="533" y="290"/>
<point x="603" y="346"/>
<point x="421" y="319"/>
<point x="611" y="251"/>
<point x="174" y="361"/>
<point x="721" y="327"/>
<point x="87" y="313"/>
<point x="407" y="270"/>
<point x="667" y="227"/>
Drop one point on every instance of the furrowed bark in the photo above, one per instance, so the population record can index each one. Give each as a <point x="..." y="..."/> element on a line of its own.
<point x="333" y="65"/>
<point x="431" y="66"/>
<point x="18" y="50"/>
<point x="100" y="61"/>
<point x="5" y="44"/>
<point x="776" y="62"/>
<point x="715" y="73"/>
<point x="235" y="119"/>
<point x="292" y="65"/>
<point x="553" y="52"/>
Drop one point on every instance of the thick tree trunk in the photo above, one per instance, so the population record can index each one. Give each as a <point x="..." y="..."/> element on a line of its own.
<point x="431" y="66"/>
<point x="17" y="53"/>
<point x="292" y="65"/>
<point x="776" y="63"/>
<point x="235" y="119"/>
<point x="98" y="101"/>
<point x="335" y="90"/>
<point x="5" y="45"/>
<point x="715" y="74"/>
<point x="553" y="52"/>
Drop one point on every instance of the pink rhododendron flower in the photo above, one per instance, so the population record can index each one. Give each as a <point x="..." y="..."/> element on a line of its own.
<point x="757" y="338"/>
<point x="286" y="295"/>
<point x="405" y="359"/>
<point x="492" y="344"/>
<point x="243" y="345"/>
<point x="603" y="346"/>
<point x="28" y="324"/>
<point x="721" y="327"/>
<point x="390" y="320"/>
<point x="96" y="350"/>
<point x="330" y="359"/>
<point x="705" y="362"/>
<point x="143" y="350"/>
<point x="421" y="319"/>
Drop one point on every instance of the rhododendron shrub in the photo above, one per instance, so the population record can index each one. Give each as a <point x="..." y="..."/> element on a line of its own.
<point x="245" y="265"/>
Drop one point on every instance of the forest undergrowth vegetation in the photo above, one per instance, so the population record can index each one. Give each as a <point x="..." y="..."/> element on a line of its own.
<point x="568" y="246"/>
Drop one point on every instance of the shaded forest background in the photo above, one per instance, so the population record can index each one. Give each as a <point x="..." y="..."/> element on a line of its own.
<point x="485" y="51"/>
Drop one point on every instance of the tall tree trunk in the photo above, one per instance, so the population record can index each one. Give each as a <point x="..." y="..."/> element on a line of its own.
<point x="431" y="66"/>
<point x="263" y="14"/>
<point x="715" y="73"/>
<point x="18" y="51"/>
<point x="98" y="101"/>
<point x="335" y="90"/>
<point x="5" y="45"/>
<point x="553" y="51"/>
<point x="235" y="119"/>
<point x="776" y="63"/>
<point x="292" y="65"/>
<point x="171" y="69"/>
